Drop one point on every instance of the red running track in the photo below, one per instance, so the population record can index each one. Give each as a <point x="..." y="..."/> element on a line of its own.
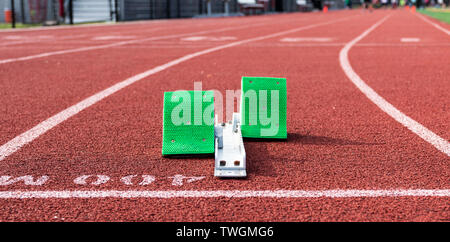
<point x="344" y="160"/>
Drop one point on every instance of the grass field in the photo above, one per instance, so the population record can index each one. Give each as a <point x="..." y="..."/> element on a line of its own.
<point x="18" y="25"/>
<point x="21" y="25"/>
<point x="440" y="14"/>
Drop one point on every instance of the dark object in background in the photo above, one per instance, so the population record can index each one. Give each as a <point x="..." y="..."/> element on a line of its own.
<point x="70" y="11"/>
<point x="13" y="15"/>
<point x="317" y="4"/>
<point x="418" y="3"/>
<point x="61" y="12"/>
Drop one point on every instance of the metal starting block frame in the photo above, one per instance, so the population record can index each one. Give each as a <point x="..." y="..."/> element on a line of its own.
<point x="229" y="149"/>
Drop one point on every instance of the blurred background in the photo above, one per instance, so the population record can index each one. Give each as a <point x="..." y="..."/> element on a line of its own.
<point x="53" y="12"/>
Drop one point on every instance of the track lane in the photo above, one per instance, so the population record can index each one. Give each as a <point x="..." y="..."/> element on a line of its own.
<point x="166" y="81"/>
<point x="228" y="209"/>
<point x="414" y="74"/>
<point x="435" y="23"/>
<point x="122" y="27"/>
<point x="76" y="79"/>
<point x="140" y="35"/>
<point x="44" y="87"/>
<point x="43" y="37"/>
<point x="134" y="124"/>
<point x="330" y="145"/>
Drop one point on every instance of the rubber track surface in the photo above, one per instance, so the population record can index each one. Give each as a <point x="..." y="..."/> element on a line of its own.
<point x="337" y="138"/>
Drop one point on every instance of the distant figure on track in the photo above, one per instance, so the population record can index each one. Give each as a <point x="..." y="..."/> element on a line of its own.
<point x="394" y="4"/>
<point x="349" y="4"/>
<point x="368" y="5"/>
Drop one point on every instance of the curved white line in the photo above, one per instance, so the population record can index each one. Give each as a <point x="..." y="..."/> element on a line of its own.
<point x="424" y="133"/>
<point x="225" y="193"/>
<point x="28" y="136"/>
<point x="434" y="24"/>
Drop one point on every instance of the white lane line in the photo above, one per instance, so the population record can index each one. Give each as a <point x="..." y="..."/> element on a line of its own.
<point x="96" y="47"/>
<point x="114" y="37"/>
<point x="31" y="40"/>
<point x="424" y="133"/>
<point x="21" y="37"/>
<point x="403" y="45"/>
<point x="209" y="38"/>
<point x="265" y="45"/>
<point x="225" y="193"/>
<point x="434" y="24"/>
<point x="307" y="39"/>
<point x="406" y="40"/>
<point x="28" y="136"/>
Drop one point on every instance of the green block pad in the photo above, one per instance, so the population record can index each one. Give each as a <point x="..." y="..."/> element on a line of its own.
<point x="188" y="123"/>
<point x="263" y="107"/>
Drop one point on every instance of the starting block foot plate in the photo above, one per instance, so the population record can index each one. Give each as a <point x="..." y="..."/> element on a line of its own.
<point x="188" y="123"/>
<point x="263" y="107"/>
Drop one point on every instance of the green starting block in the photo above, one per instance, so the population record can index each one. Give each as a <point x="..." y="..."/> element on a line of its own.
<point x="188" y="122"/>
<point x="188" y="125"/>
<point x="263" y="107"/>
